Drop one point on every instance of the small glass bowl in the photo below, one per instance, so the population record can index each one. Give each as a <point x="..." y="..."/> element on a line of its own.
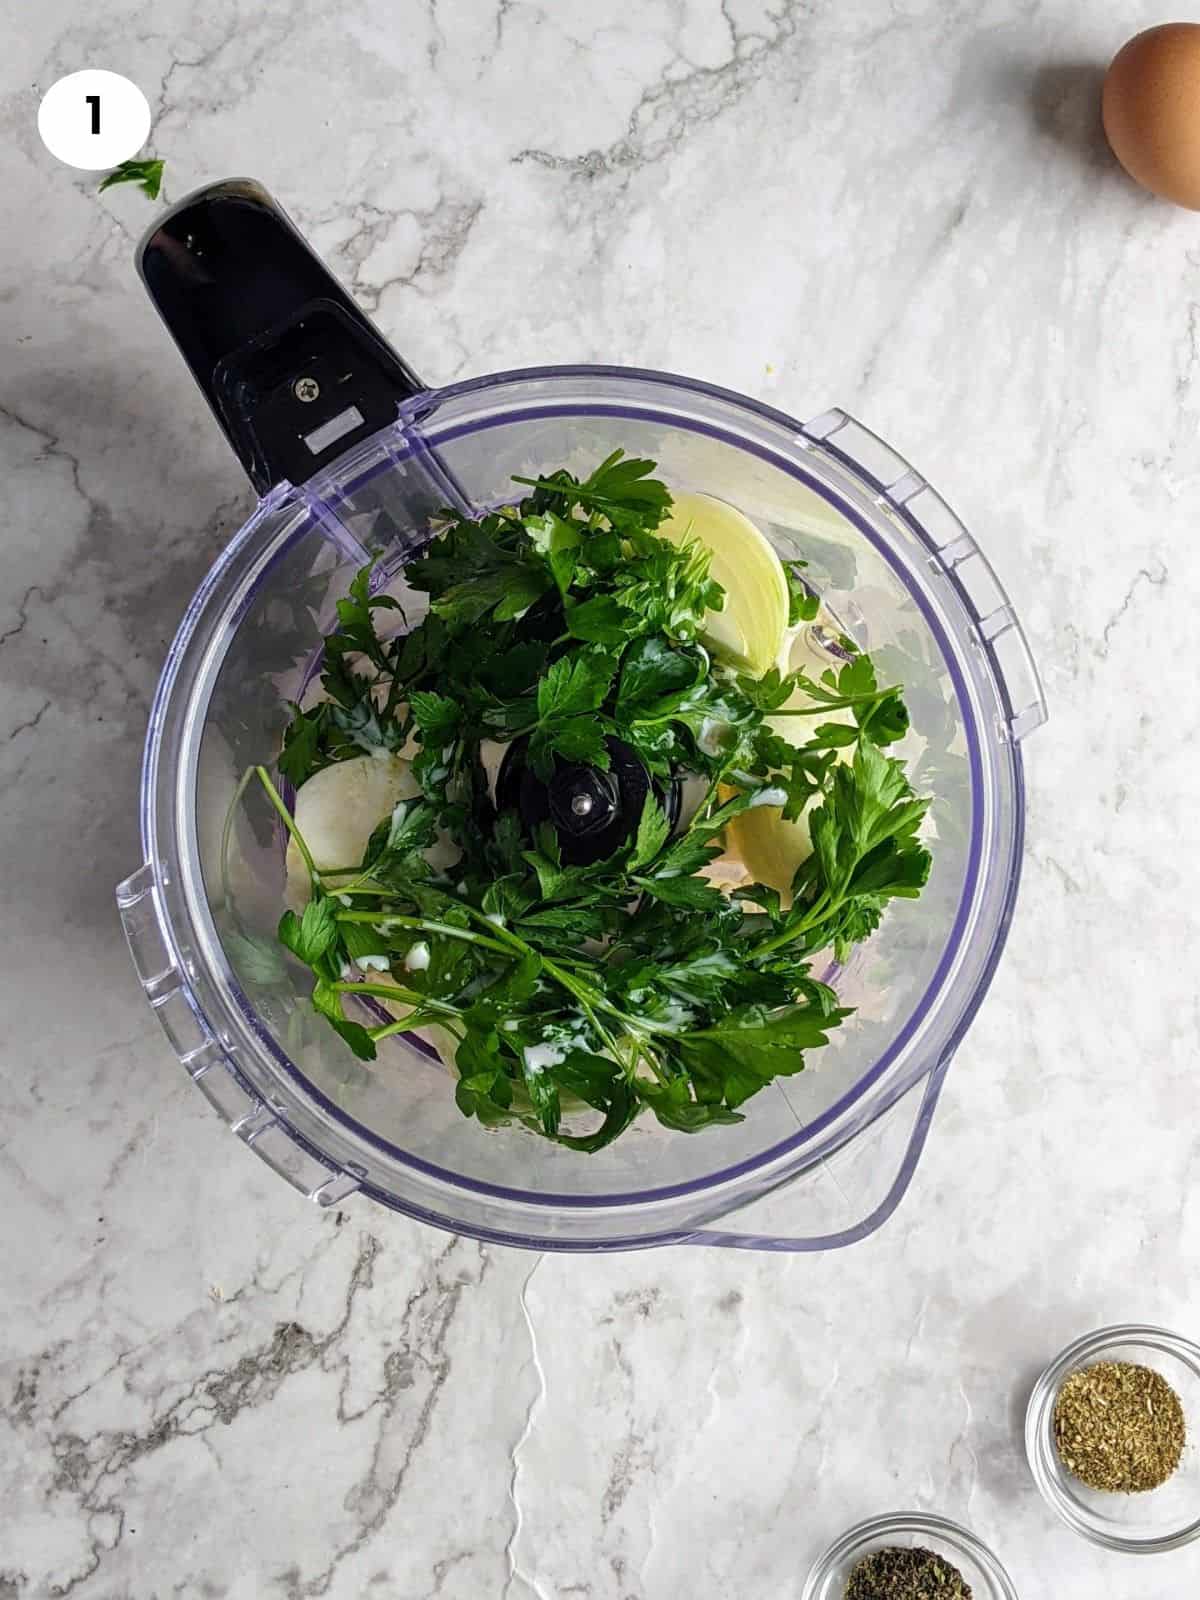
<point x="1155" y="1519"/>
<point x="988" y="1579"/>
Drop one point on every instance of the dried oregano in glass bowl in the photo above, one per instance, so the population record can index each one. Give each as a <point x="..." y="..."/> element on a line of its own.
<point x="1110" y="1434"/>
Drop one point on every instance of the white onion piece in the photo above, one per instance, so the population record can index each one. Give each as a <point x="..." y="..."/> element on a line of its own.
<point x="339" y="808"/>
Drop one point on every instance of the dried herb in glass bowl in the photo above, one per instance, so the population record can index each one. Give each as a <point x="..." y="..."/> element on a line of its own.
<point x="900" y="1573"/>
<point x="1119" y="1427"/>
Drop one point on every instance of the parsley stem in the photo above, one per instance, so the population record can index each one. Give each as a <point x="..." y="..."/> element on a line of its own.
<point x="406" y="1025"/>
<point x="641" y="1053"/>
<point x="408" y="997"/>
<point x="589" y="999"/>
<point x="634" y="1025"/>
<point x="827" y="705"/>
<point x="498" y="931"/>
<point x="288" y="822"/>
<point x="834" y="703"/>
<point x="606" y="1038"/>
<point x="639" y="1025"/>
<point x="577" y="493"/>
<point x="422" y="925"/>
<point x="655" y="722"/>
<point x="579" y="987"/>
<point x="820" y="908"/>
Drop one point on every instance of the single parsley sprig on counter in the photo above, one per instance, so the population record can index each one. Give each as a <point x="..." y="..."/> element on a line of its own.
<point x="633" y="982"/>
<point x="146" y="174"/>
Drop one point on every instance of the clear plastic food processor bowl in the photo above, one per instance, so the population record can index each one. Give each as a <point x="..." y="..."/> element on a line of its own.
<point x="822" y="1158"/>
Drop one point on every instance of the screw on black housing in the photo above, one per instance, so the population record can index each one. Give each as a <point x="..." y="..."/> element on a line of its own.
<point x="593" y="812"/>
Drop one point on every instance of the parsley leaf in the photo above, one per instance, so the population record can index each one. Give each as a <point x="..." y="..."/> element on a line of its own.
<point x="743" y="1053"/>
<point x="579" y="739"/>
<point x="652" y="672"/>
<point x="310" y="936"/>
<point x="652" y="834"/>
<point x="600" y="1083"/>
<point x="146" y="174"/>
<point x="558" y="540"/>
<point x="620" y="488"/>
<point x="357" y="624"/>
<point x="577" y="682"/>
<point x="694" y="893"/>
<point x="305" y="744"/>
<point x="409" y="829"/>
<point x="673" y="1105"/>
<point x="804" y="604"/>
<point x="600" y="620"/>
<point x="436" y="715"/>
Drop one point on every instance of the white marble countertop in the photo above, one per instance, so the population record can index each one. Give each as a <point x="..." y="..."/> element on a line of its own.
<point x="208" y="1389"/>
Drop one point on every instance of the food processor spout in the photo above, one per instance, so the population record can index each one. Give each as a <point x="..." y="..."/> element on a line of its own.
<point x="294" y="371"/>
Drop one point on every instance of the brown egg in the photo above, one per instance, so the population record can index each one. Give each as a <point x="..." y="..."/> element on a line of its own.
<point x="1151" y="109"/>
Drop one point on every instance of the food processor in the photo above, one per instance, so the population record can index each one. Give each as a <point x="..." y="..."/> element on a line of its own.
<point x="352" y="457"/>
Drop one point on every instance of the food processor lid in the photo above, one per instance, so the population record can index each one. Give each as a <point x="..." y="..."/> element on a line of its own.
<point x="295" y="373"/>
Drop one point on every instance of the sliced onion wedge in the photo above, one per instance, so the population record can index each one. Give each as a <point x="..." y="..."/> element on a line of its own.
<point x="340" y="807"/>
<point x="749" y="632"/>
<point x="769" y="848"/>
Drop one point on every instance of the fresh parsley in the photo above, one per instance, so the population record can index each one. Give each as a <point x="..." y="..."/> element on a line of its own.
<point x="146" y="174"/>
<point x="579" y="996"/>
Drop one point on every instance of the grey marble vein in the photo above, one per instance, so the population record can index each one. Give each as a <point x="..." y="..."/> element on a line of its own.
<point x="210" y="1391"/>
<point x="668" y="110"/>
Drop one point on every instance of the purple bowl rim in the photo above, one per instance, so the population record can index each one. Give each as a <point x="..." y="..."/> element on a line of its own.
<point x="414" y="412"/>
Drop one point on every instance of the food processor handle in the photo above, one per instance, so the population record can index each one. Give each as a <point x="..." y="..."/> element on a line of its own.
<point x="293" y="370"/>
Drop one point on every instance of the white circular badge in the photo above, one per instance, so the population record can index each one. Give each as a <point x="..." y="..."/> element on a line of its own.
<point x="94" y="119"/>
